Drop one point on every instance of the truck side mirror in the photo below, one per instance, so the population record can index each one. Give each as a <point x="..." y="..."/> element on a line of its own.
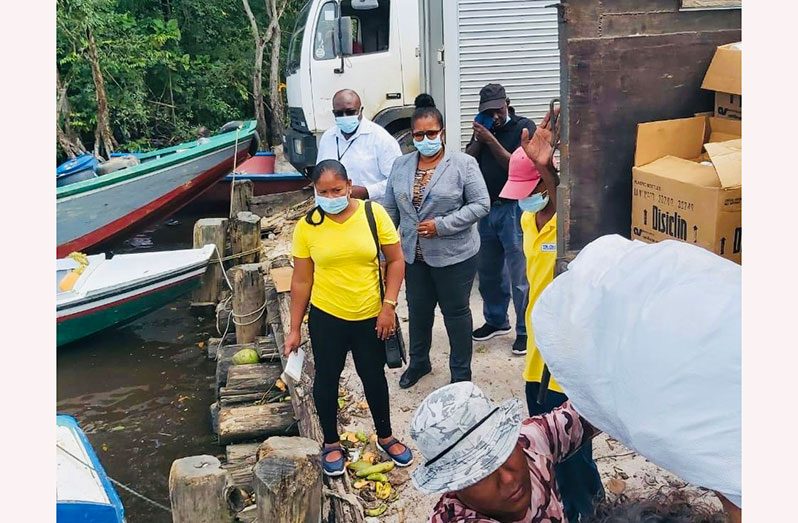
<point x="345" y="33"/>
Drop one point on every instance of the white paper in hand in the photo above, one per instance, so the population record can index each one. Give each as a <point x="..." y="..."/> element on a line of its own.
<point x="294" y="366"/>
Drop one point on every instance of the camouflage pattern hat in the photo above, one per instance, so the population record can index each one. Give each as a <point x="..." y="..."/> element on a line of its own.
<point x="463" y="437"/>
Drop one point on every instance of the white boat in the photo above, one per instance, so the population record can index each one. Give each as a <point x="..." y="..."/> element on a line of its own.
<point x="83" y="490"/>
<point x="95" y="293"/>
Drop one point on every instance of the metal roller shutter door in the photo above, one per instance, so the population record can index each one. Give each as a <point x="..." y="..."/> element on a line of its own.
<point x="511" y="42"/>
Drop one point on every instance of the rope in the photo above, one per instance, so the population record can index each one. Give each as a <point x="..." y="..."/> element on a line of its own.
<point x="115" y="482"/>
<point x="258" y="310"/>
<point x="239" y="255"/>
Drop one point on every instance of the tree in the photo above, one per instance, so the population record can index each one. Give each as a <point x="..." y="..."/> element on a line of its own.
<point x="167" y="68"/>
<point x="273" y="35"/>
<point x="82" y="18"/>
<point x="102" y="134"/>
<point x="257" y="72"/>
<point x="276" y="11"/>
<point x="67" y="138"/>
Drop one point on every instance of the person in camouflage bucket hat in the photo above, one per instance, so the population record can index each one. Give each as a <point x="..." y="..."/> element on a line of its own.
<point x="490" y="465"/>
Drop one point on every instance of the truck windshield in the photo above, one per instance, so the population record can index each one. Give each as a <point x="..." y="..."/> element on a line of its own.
<point x="295" y="46"/>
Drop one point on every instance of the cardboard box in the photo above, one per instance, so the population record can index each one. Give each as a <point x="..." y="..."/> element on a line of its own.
<point x="724" y="76"/>
<point x="687" y="184"/>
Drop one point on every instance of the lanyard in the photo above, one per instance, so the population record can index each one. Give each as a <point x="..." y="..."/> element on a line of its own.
<point x="338" y="149"/>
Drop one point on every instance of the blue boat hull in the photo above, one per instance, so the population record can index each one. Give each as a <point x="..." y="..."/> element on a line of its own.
<point x="80" y="510"/>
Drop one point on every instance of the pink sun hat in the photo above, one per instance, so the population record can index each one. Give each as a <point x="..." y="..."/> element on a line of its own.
<point x="522" y="177"/>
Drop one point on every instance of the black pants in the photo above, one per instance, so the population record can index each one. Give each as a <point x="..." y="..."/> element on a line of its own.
<point x="577" y="477"/>
<point x="331" y="339"/>
<point x="449" y="287"/>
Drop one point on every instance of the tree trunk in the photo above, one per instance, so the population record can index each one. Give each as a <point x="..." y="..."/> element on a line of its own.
<point x="275" y="95"/>
<point x="68" y="140"/>
<point x="257" y="72"/>
<point x="103" y="135"/>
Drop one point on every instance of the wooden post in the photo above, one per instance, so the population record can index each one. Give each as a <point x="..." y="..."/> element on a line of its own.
<point x="196" y="491"/>
<point x="288" y="480"/>
<point x="245" y="237"/>
<point x="210" y="231"/>
<point x="243" y="190"/>
<point x="249" y="302"/>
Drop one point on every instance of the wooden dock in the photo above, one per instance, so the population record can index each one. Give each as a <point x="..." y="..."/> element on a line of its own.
<point x="266" y="422"/>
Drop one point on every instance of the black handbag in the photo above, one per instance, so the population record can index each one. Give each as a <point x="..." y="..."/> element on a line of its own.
<point x="395" y="344"/>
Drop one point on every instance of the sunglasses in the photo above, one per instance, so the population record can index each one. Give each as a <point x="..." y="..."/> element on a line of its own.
<point x="431" y="134"/>
<point x="346" y="112"/>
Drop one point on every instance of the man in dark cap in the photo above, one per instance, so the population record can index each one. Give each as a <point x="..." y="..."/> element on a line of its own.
<point x="501" y="266"/>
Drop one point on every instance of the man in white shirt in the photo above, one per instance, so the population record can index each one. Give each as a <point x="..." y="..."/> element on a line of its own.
<point x="366" y="149"/>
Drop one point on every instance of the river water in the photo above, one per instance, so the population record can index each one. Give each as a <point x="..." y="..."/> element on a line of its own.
<point x="142" y="392"/>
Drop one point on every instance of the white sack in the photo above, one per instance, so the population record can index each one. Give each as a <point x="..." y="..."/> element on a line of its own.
<point x="646" y="342"/>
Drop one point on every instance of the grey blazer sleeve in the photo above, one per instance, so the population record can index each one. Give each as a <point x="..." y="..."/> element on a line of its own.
<point x="476" y="202"/>
<point x="389" y="198"/>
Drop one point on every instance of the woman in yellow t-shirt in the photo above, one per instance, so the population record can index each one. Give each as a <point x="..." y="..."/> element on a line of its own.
<point x="533" y="183"/>
<point x="336" y="270"/>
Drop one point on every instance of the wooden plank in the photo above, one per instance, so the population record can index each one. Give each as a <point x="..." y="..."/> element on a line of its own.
<point x="591" y="19"/>
<point x="271" y="204"/>
<point x="237" y="424"/>
<point x="224" y="361"/>
<point x="711" y="4"/>
<point x="240" y="459"/>
<point x="254" y="376"/>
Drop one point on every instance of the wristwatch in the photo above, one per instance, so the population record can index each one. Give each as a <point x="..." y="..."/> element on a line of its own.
<point x="390" y="302"/>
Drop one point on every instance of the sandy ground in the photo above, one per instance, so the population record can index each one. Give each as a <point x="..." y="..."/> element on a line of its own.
<point x="498" y="373"/>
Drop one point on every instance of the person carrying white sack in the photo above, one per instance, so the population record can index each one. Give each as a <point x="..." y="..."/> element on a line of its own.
<point x="646" y="342"/>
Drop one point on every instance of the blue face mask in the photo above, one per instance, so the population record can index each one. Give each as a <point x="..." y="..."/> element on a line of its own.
<point x="332" y="205"/>
<point x="536" y="202"/>
<point x="347" y="124"/>
<point x="428" y="147"/>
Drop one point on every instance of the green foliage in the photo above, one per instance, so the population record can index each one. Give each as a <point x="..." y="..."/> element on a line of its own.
<point x="170" y="66"/>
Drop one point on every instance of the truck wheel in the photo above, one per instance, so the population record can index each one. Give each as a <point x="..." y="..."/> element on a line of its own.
<point x="405" y="139"/>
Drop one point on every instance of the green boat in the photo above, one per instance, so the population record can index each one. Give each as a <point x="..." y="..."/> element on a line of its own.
<point x="95" y="293"/>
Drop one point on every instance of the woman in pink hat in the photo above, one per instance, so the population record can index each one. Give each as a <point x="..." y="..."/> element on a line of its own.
<point x="533" y="182"/>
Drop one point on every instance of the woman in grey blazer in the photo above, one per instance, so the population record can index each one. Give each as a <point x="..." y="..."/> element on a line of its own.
<point x="435" y="197"/>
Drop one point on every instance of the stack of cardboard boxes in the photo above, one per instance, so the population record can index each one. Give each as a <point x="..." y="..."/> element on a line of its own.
<point x="687" y="175"/>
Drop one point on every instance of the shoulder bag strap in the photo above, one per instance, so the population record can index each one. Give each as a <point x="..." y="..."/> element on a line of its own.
<point x="373" y="227"/>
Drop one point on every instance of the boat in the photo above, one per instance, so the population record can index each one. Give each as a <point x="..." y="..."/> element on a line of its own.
<point x="258" y="169"/>
<point x="83" y="490"/>
<point x="95" y="293"/>
<point x="93" y="211"/>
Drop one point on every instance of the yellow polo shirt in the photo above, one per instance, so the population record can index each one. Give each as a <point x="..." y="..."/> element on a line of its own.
<point x="540" y="250"/>
<point x="345" y="277"/>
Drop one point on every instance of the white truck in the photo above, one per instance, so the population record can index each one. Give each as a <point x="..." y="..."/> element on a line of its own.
<point x="389" y="51"/>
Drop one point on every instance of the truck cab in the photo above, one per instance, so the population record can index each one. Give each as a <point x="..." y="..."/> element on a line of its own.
<point x="371" y="46"/>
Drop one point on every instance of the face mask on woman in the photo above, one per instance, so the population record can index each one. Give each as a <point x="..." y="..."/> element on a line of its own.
<point x="534" y="203"/>
<point x="428" y="147"/>
<point x="332" y="205"/>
